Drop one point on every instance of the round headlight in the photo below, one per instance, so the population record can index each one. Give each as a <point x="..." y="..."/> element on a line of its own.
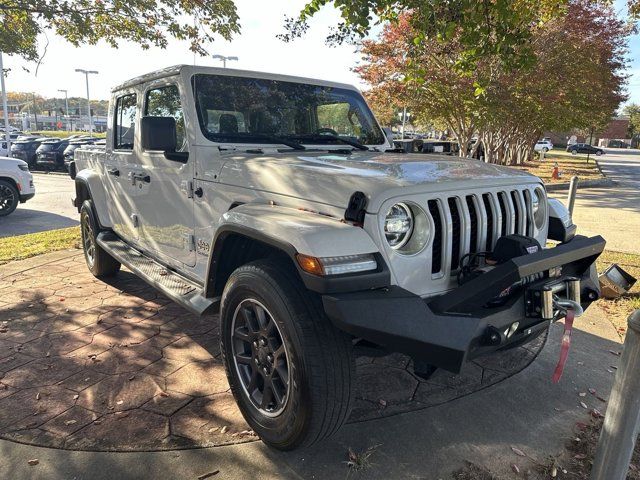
<point x="398" y="225"/>
<point x="538" y="205"/>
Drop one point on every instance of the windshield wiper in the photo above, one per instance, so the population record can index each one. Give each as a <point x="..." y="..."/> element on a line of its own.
<point x="277" y="139"/>
<point x="353" y="143"/>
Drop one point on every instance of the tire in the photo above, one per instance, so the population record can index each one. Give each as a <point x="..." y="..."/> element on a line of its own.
<point x="545" y="149"/>
<point x="9" y="198"/>
<point x="598" y="153"/>
<point x="574" y="152"/>
<point x="317" y="397"/>
<point x="99" y="262"/>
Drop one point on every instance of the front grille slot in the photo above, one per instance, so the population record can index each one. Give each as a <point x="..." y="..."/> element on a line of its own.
<point x="473" y="216"/>
<point x="438" y="232"/>
<point x="516" y="210"/>
<point x="486" y="199"/>
<point x="504" y="213"/>
<point x="456" y="225"/>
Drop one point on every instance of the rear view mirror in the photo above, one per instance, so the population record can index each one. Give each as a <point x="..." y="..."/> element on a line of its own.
<point x="159" y="134"/>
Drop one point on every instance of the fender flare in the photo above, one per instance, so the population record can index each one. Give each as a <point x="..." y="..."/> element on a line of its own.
<point x="88" y="185"/>
<point x="305" y="233"/>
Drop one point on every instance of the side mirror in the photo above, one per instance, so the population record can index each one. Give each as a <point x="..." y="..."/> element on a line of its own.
<point x="159" y="134"/>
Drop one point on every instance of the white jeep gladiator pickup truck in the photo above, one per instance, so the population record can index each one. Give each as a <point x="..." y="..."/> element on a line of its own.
<point x="279" y="203"/>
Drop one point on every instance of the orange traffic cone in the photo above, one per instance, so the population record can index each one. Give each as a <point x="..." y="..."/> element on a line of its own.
<point x="556" y="173"/>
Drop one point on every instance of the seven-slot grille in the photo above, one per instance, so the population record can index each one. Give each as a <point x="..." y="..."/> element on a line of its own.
<point x="473" y="223"/>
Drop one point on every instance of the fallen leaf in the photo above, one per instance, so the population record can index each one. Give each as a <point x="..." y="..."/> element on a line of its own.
<point x="592" y="391"/>
<point x="554" y="472"/>
<point x="515" y="468"/>
<point x="595" y="413"/>
<point x="584" y="405"/>
<point x="164" y="394"/>
<point x="617" y="354"/>
<point x="582" y="394"/>
<point x="70" y="422"/>
<point x="580" y="456"/>
<point x="603" y="400"/>
<point x="518" y="452"/>
<point x="33" y="462"/>
<point x="76" y="396"/>
<point x="383" y="403"/>
<point x="62" y="299"/>
<point x="48" y="354"/>
<point x="38" y="396"/>
<point x="224" y="429"/>
<point x="207" y="475"/>
<point x="120" y="402"/>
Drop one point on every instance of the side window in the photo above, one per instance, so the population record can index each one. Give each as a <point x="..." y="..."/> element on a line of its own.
<point x="125" y="122"/>
<point x="165" y="102"/>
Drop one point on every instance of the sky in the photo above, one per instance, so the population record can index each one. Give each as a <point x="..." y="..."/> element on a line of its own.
<point x="257" y="48"/>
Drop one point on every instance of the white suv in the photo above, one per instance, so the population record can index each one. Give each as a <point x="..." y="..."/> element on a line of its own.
<point x="16" y="184"/>
<point x="543" y="146"/>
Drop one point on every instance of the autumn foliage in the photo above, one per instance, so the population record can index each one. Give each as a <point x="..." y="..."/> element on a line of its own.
<point x="575" y="81"/>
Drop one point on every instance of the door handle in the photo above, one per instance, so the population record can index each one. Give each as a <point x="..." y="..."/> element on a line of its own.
<point x="113" y="171"/>
<point x="139" y="177"/>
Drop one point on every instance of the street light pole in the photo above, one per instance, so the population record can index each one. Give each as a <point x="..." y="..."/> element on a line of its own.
<point x="86" y="76"/>
<point x="66" y="105"/>
<point x="5" y="111"/>
<point x="224" y="59"/>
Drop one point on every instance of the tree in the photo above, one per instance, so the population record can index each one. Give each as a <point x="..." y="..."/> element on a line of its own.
<point x="575" y="81"/>
<point x="483" y="28"/>
<point x="146" y="22"/>
<point x="633" y="112"/>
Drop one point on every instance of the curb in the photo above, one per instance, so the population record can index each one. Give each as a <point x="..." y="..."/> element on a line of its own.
<point x="600" y="182"/>
<point x="41" y="172"/>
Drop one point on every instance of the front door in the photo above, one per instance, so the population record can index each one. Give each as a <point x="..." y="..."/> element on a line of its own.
<point x="163" y="188"/>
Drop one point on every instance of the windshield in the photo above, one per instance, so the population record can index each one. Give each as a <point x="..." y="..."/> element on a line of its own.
<point x="250" y="110"/>
<point x="47" y="147"/>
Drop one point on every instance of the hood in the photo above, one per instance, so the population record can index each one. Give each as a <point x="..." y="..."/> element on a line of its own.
<point x="8" y="162"/>
<point x="332" y="178"/>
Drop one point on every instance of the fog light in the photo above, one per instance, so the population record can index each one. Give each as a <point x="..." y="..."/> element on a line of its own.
<point x="337" y="265"/>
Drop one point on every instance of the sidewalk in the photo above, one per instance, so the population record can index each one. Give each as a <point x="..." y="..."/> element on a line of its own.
<point x="526" y="411"/>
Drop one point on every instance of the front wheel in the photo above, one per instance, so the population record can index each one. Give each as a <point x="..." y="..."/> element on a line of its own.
<point x="545" y="149"/>
<point x="289" y="368"/>
<point x="574" y="152"/>
<point x="100" y="263"/>
<point x="9" y="198"/>
<point x="598" y="153"/>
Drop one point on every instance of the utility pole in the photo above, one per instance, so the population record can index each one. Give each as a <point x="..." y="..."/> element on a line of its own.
<point x="5" y="111"/>
<point x="86" y="75"/>
<point x="66" y="106"/>
<point x="224" y="59"/>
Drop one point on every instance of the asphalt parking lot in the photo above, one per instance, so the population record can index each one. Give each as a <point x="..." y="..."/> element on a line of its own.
<point x="50" y="209"/>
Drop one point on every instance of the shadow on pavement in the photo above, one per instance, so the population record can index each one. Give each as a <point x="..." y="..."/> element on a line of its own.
<point x="25" y="220"/>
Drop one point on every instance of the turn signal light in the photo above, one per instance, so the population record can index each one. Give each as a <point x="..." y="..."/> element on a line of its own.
<point x="310" y="264"/>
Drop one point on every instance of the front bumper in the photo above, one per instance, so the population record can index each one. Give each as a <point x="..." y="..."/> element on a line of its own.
<point x="467" y="322"/>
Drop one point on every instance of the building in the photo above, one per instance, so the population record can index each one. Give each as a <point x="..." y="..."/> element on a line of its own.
<point x="616" y="133"/>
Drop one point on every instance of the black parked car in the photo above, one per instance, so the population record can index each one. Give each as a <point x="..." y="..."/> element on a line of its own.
<point x="69" y="152"/>
<point x="25" y="148"/>
<point x="584" y="148"/>
<point x="50" y="153"/>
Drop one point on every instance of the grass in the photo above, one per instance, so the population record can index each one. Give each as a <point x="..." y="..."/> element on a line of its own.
<point x="618" y="310"/>
<point x="32" y="244"/>
<point x="65" y="134"/>
<point x="568" y="165"/>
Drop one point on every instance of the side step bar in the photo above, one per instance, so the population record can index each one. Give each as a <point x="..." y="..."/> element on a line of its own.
<point x="179" y="289"/>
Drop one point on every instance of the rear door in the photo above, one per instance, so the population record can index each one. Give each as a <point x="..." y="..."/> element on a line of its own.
<point x="164" y="199"/>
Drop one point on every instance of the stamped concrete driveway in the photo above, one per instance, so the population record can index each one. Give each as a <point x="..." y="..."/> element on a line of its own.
<point x="89" y="365"/>
<point x="50" y="209"/>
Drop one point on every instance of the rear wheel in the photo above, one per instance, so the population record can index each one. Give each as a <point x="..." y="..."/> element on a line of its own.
<point x="9" y="198"/>
<point x="545" y="149"/>
<point x="574" y="152"/>
<point x="289" y="368"/>
<point x="100" y="263"/>
<point x="598" y="153"/>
